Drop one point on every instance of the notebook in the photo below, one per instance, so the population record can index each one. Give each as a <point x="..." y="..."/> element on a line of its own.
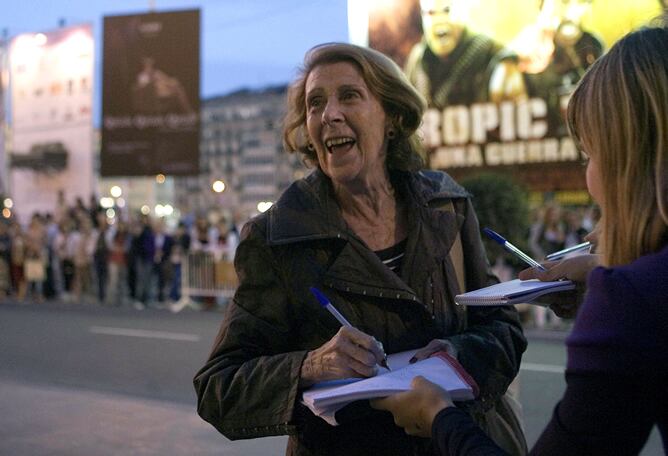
<point x="325" y="399"/>
<point x="512" y="292"/>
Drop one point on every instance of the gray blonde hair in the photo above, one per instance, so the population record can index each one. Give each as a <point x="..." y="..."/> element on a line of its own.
<point x="401" y="102"/>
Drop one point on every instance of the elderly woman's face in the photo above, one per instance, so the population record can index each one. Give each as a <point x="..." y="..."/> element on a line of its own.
<point x="346" y="123"/>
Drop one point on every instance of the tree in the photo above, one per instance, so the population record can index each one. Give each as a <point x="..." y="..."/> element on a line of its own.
<point x="502" y="205"/>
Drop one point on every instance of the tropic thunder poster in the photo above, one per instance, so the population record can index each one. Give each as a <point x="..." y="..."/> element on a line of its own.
<point x="497" y="76"/>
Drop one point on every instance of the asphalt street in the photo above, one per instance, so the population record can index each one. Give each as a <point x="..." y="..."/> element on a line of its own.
<point x="83" y="380"/>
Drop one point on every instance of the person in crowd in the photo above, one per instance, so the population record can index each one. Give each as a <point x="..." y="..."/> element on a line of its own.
<point x="65" y="248"/>
<point x="53" y="286"/>
<point x="227" y="241"/>
<point x="452" y="65"/>
<point x="164" y="244"/>
<point x="5" y="260"/>
<point x="574" y="233"/>
<point x="119" y="245"/>
<point x="178" y="255"/>
<point x="101" y="256"/>
<point x="204" y="236"/>
<point x="35" y="262"/>
<point x="134" y="254"/>
<point x="617" y="369"/>
<point x="17" y="256"/>
<point x="83" y="247"/>
<point x="144" y="261"/>
<point x="547" y="235"/>
<point x="374" y="233"/>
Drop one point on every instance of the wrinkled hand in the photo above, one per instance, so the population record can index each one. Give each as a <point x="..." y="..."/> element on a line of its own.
<point x="432" y="347"/>
<point x="415" y="410"/>
<point x="566" y="303"/>
<point x="350" y="353"/>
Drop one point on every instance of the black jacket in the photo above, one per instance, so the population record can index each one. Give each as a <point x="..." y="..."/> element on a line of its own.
<point x="249" y="386"/>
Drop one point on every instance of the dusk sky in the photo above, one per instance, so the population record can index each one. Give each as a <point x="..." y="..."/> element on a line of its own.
<point x="245" y="43"/>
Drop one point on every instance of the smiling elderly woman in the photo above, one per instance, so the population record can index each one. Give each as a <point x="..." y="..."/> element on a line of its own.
<point x="375" y="234"/>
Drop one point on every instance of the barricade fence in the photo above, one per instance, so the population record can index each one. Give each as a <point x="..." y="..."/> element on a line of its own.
<point x="205" y="274"/>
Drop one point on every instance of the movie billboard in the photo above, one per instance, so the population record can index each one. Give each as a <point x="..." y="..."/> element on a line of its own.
<point x="51" y="90"/>
<point x="497" y="77"/>
<point x="150" y="95"/>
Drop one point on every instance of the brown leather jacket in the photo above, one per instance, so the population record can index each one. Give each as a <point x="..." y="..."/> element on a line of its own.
<point x="249" y="386"/>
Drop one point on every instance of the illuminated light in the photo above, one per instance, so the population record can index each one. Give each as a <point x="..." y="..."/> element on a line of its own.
<point x="111" y="213"/>
<point x="167" y="209"/>
<point x="160" y="178"/>
<point x="145" y="210"/>
<point x="115" y="191"/>
<point x="120" y="202"/>
<point x="111" y="221"/>
<point x="263" y="206"/>
<point x="6" y="213"/>
<point x="8" y="203"/>
<point x="218" y="186"/>
<point x="106" y="202"/>
<point x="159" y="210"/>
<point x="40" y="39"/>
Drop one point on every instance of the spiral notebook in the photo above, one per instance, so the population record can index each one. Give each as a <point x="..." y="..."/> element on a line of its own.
<point x="325" y="399"/>
<point x="512" y="292"/>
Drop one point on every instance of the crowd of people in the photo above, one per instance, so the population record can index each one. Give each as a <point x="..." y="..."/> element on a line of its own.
<point x="78" y="254"/>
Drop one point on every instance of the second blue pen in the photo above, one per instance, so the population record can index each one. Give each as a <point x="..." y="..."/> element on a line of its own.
<point x="512" y="249"/>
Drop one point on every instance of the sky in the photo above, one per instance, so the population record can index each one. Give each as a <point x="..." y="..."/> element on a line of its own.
<point x="244" y="43"/>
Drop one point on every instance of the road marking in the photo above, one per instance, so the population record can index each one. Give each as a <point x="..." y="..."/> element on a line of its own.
<point x="542" y="368"/>
<point x="143" y="333"/>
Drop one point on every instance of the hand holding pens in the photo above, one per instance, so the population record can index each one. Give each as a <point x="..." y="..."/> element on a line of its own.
<point x="325" y="302"/>
<point x="512" y="249"/>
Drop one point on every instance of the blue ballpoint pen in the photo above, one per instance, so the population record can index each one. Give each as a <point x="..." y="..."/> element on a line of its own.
<point x="512" y="249"/>
<point x="326" y="303"/>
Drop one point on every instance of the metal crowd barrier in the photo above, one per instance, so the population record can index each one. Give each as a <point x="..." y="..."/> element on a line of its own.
<point x="203" y="275"/>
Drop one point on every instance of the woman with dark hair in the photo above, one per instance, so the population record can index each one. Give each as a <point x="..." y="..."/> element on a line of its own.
<point x="617" y="369"/>
<point x="389" y="244"/>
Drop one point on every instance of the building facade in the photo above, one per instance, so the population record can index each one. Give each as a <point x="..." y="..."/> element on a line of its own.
<point x="241" y="147"/>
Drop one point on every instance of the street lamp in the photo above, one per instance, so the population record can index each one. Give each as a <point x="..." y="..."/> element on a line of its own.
<point x="218" y="186"/>
<point x="115" y="191"/>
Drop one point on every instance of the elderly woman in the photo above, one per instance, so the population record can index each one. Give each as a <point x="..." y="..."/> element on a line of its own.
<point x="375" y="234"/>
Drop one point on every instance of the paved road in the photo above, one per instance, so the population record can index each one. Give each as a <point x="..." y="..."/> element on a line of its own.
<point x="78" y="380"/>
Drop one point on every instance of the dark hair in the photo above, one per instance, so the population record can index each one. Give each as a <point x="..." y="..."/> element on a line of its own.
<point x="401" y="102"/>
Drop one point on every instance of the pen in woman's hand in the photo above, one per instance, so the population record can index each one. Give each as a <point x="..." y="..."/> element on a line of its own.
<point x="562" y="253"/>
<point x="512" y="249"/>
<point x="326" y="303"/>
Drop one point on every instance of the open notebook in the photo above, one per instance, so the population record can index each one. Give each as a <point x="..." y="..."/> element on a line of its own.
<point x="325" y="399"/>
<point x="512" y="292"/>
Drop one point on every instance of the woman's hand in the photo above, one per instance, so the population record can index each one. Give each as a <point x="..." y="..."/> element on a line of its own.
<point x="565" y="304"/>
<point x="415" y="410"/>
<point x="432" y="347"/>
<point x="350" y="353"/>
<point x="575" y="268"/>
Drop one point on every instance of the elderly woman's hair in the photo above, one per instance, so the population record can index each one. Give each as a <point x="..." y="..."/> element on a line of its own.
<point x="401" y="102"/>
<point x="618" y="114"/>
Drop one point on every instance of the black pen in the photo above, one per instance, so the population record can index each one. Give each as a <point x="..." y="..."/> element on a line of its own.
<point x="327" y="304"/>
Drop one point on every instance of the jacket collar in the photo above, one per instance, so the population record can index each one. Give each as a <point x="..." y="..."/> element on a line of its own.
<point x="307" y="210"/>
